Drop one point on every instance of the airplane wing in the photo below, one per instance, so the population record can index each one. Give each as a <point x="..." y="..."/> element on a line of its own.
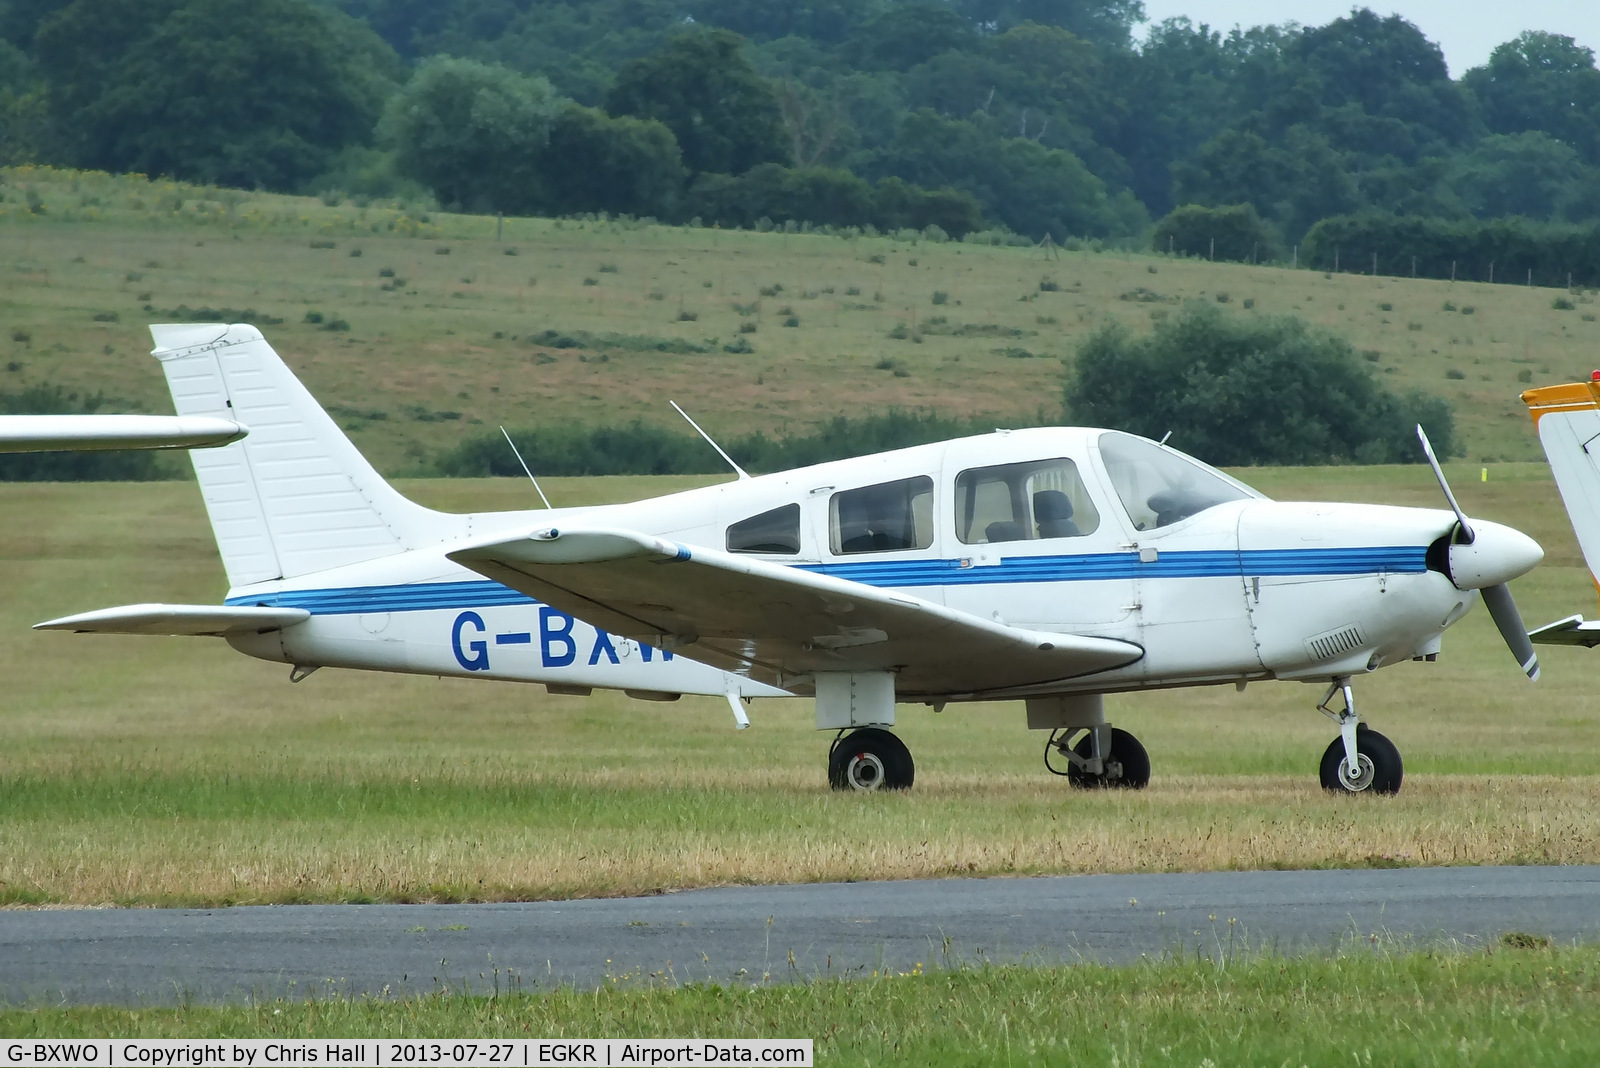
<point x="1570" y="631"/>
<point x="775" y="623"/>
<point x="192" y="619"/>
<point x="44" y="433"/>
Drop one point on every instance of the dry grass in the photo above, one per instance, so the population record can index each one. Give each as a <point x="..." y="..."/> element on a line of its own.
<point x="144" y="771"/>
<point x="430" y="347"/>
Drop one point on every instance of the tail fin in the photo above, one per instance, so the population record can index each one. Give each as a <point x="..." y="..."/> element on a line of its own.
<point x="295" y="496"/>
<point x="1568" y="418"/>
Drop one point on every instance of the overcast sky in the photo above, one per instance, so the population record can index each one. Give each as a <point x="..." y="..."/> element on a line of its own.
<point x="1467" y="30"/>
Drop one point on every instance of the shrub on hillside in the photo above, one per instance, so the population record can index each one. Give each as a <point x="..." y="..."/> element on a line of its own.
<point x="1238" y="233"/>
<point x="1501" y="250"/>
<point x="1239" y="390"/>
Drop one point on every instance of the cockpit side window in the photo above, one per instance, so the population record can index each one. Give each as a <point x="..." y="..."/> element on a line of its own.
<point x="1023" y="501"/>
<point x="1160" y="486"/>
<point x="776" y="531"/>
<point x="882" y="518"/>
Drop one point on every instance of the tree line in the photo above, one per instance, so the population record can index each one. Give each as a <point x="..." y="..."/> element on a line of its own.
<point x="1042" y="116"/>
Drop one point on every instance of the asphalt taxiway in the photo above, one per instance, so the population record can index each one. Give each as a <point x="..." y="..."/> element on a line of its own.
<point x="767" y="933"/>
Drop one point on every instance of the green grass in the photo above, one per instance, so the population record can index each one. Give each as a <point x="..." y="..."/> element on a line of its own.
<point x="454" y="338"/>
<point x="1361" y="1006"/>
<point x="174" y="771"/>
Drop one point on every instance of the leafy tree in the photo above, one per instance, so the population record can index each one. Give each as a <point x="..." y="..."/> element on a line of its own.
<point x="907" y="34"/>
<point x="1233" y="233"/>
<point x="700" y="85"/>
<point x="1032" y="189"/>
<point x="597" y="163"/>
<point x="1545" y="82"/>
<point x="1243" y="390"/>
<point x="1530" y="174"/>
<point x="1106" y="22"/>
<point x="235" y="92"/>
<point x="475" y="134"/>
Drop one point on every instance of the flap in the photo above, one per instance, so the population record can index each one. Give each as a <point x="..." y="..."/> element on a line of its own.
<point x="192" y="619"/>
<point x="1570" y="631"/>
<point x="772" y="622"/>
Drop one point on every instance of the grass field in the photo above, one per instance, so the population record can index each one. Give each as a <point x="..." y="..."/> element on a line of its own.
<point x="1362" y="1007"/>
<point x="438" y="348"/>
<point x="167" y="771"/>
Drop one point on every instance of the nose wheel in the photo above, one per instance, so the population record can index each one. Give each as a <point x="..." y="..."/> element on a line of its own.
<point x="1360" y="760"/>
<point x="870" y="759"/>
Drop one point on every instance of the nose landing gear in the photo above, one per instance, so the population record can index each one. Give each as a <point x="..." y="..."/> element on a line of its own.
<point x="1360" y="760"/>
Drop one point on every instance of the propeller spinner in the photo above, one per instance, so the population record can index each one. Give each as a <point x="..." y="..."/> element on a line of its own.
<point x="1485" y="557"/>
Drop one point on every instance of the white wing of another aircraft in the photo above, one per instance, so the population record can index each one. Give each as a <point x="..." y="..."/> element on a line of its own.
<point x="772" y="622"/>
<point x="49" y="433"/>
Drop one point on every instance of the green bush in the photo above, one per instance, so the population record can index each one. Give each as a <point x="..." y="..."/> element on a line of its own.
<point x="1238" y="233"/>
<point x="1467" y="249"/>
<point x="1243" y="390"/>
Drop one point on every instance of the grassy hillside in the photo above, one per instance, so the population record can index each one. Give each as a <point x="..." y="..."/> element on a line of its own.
<point x="453" y="338"/>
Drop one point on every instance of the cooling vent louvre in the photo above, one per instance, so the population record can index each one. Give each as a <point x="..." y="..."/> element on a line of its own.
<point x="1334" y="643"/>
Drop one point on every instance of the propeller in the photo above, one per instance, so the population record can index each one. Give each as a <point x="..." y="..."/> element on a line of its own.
<point x="1485" y="558"/>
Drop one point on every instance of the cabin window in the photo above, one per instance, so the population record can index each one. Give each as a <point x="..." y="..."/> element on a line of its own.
<point x="1160" y="486"/>
<point x="777" y="531"/>
<point x="882" y="518"/>
<point x="1022" y="502"/>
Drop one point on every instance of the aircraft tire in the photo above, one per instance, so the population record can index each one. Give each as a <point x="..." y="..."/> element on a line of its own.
<point x="1125" y="750"/>
<point x="1381" y="767"/>
<point x="870" y="759"/>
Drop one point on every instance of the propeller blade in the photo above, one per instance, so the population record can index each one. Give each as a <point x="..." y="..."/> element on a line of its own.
<point x="1504" y="612"/>
<point x="1438" y="472"/>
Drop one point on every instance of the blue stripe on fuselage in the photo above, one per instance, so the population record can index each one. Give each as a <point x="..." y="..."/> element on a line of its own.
<point x="1092" y="567"/>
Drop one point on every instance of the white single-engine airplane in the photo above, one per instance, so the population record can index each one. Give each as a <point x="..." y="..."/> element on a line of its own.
<point x="1051" y="566"/>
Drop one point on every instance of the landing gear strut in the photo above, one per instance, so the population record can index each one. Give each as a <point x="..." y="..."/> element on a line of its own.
<point x="1360" y="760"/>
<point x="870" y="759"/>
<point x="1103" y="756"/>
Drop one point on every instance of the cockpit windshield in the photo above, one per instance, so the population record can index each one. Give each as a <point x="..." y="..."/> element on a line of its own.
<point x="1160" y="486"/>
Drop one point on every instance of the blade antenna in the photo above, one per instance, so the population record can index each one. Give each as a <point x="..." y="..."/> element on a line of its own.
<point x="742" y="472"/>
<point x="1467" y="534"/>
<point x="524" y="463"/>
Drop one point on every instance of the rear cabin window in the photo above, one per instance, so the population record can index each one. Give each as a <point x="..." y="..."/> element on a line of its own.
<point x="882" y="518"/>
<point x="1023" y="502"/>
<point x="777" y="531"/>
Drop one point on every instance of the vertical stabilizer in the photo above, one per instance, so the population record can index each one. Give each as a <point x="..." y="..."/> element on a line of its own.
<point x="1568" y="418"/>
<point x="295" y="496"/>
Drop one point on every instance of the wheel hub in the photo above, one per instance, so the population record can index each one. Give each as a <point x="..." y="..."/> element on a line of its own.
<point x="1362" y="779"/>
<point x="865" y="771"/>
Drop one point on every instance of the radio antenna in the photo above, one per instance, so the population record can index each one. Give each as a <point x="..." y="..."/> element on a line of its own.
<point x="713" y="444"/>
<point x="525" y="470"/>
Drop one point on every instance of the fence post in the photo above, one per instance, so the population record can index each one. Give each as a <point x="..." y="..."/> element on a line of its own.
<point x="1374" y="265"/>
<point x="1213" y="253"/>
<point x="1413" y="266"/>
<point x="1452" y="270"/>
<point x="1336" y="260"/>
<point x="1491" y="272"/>
<point x="1530" y="276"/>
<point x="1294" y="264"/>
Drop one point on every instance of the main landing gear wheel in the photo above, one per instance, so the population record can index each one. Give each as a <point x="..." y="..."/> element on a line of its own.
<point x="1380" y="767"/>
<point x="870" y="759"/>
<point x="1126" y="766"/>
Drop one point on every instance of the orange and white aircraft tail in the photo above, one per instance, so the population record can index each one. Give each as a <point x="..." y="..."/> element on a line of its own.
<point x="1568" y="419"/>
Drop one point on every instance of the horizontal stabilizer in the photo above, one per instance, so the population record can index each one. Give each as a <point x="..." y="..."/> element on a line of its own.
<point x="44" y="433"/>
<point x="775" y="623"/>
<point x="191" y="619"/>
<point x="1570" y="631"/>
